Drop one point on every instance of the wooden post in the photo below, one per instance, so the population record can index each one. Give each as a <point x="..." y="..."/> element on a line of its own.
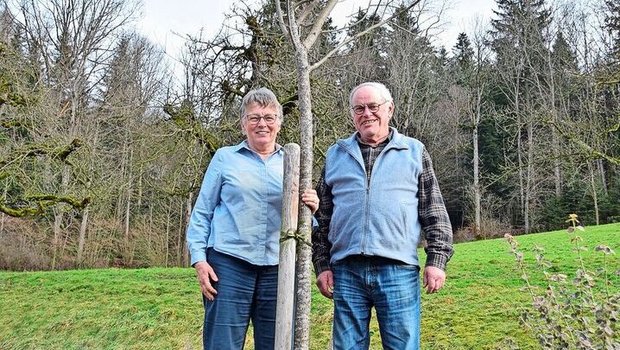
<point x="288" y="246"/>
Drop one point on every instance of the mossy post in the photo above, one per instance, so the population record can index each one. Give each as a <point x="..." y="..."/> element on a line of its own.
<point x="288" y="246"/>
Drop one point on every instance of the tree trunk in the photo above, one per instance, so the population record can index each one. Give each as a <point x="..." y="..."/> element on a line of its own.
<point x="150" y="234"/>
<point x="601" y="170"/>
<point x="59" y="216"/>
<point x="555" y="145"/>
<point x="181" y="233"/>
<point x="555" y="138"/>
<point x="476" y="165"/>
<point x="2" y="219"/>
<point x="304" y="251"/>
<point x="188" y="214"/>
<point x="129" y="199"/>
<point x="529" y="176"/>
<point x="140" y="193"/>
<point x="82" y="236"/>
<point x="127" y="247"/>
<point x="2" y="215"/>
<point x="56" y="228"/>
<point x="594" y="195"/>
<point x="167" y="237"/>
<point x="520" y="167"/>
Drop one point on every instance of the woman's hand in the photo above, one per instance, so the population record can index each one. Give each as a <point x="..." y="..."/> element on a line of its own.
<point x="206" y="275"/>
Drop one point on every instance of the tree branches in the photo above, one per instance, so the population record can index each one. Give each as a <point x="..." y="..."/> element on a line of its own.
<point x="36" y="204"/>
<point x="33" y="150"/>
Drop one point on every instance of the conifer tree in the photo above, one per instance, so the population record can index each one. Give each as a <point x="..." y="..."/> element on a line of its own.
<point x="519" y="42"/>
<point x="612" y="25"/>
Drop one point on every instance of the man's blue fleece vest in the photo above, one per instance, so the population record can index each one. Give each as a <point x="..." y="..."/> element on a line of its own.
<point x="381" y="217"/>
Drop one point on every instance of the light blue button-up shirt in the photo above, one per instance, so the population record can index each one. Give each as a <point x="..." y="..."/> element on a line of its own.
<point x="238" y="211"/>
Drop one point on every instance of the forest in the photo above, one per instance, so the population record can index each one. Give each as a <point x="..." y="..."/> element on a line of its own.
<point x="103" y="148"/>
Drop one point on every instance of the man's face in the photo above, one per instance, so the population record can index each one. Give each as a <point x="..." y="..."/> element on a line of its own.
<point x="372" y="126"/>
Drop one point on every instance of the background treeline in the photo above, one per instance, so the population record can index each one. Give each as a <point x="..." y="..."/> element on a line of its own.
<point x="102" y="151"/>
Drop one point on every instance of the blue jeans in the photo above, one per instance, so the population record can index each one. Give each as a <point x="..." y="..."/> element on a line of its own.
<point x="391" y="287"/>
<point x="244" y="292"/>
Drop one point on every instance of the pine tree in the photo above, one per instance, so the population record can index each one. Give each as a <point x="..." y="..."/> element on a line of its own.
<point x="368" y="51"/>
<point x="612" y="25"/>
<point x="565" y="70"/>
<point x="517" y="36"/>
<point x="520" y="47"/>
<point x="463" y="55"/>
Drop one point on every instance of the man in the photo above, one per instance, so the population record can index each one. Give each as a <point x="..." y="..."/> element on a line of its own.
<point x="378" y="195"/>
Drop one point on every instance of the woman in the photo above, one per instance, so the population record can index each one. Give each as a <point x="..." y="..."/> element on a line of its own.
<point x="234" y="231"/>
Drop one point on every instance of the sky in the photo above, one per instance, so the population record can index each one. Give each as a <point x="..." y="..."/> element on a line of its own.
<point x="166" y="22"/>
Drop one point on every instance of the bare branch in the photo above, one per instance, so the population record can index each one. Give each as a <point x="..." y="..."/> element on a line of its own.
<point x="308" y="9"/>
<point x="60" y="153"/>
<point x="590" y="151"/>
<point x="281" y="22"/>
<point x="318" y="23"/>
<point x="41" y="202"/>
<point x="360" y="34"/>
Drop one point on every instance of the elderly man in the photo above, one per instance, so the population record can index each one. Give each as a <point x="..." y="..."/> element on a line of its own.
<point x="378" y="194"/>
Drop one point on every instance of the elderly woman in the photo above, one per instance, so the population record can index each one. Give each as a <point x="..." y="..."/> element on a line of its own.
<point x="234" y="231"/>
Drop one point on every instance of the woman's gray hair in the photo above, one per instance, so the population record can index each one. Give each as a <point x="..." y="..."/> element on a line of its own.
<point x="262" y="97"/>
<point x="383" y="91"/>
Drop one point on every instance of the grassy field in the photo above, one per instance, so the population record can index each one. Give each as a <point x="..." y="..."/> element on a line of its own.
<point x="161" y="308"/>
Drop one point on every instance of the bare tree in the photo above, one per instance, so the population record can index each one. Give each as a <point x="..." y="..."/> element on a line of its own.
<point x="302" y="23"/>
<point x="70" y="42"/>
<point x="477" y="82"/>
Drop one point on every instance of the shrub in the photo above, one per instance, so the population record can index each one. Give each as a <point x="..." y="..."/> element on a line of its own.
<point x="570" y="313"/>
<point x="22" y="246"/>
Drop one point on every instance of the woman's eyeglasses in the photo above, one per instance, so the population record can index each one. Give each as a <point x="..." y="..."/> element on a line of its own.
<point x="255" y="118"/>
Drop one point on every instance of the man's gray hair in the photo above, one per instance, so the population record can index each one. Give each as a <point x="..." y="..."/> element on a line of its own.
<point x="262" y="97"/>
<point x="383" y="91"/>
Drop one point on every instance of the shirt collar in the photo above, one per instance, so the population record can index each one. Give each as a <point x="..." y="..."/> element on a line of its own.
<point x="244" y="145"/>
<point x="383" y="143"/>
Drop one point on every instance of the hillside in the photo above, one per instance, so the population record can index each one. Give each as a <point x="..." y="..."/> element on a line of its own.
<point x="161" y="308"/>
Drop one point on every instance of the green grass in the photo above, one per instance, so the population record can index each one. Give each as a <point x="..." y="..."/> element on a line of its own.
<point x="100" y="309"/>
<point x="162" y="309"/>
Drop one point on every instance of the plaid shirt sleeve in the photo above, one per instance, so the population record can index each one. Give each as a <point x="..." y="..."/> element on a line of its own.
<point x="320" y="243"/>
<point x="433" y="217"/>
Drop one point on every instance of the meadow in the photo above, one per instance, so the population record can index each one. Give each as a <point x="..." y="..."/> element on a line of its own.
<point x="159" y="308"/>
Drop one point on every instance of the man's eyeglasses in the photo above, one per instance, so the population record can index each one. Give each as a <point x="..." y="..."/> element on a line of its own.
<point x="255" y="118"/>
<point x="372" y="107"/>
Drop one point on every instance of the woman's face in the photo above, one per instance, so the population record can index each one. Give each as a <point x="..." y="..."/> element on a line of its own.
<point x="261" y="126"/>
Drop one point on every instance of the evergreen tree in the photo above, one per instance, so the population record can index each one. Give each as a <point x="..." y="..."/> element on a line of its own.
<point x="463" y="55"/>
<point x="368" y="51"/>
<point x="463" y="52"/>
<point x="562" y="55"/>
<point x="520" y="46"/>
<point x="518" y="38"/>
<point x="565" y="71"/>
<point x="612" y="25"/>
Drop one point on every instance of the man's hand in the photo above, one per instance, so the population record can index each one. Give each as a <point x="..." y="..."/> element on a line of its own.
<point x="205" y="274"/>
<point x="310" y="198"/>
<point x="325" y="282"/>
<point x="434" y="278"/>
